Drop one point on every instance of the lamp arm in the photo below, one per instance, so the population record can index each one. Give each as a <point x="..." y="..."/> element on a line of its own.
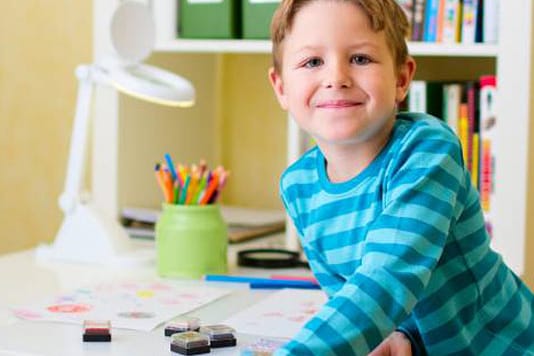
<point x="78" y="141"/>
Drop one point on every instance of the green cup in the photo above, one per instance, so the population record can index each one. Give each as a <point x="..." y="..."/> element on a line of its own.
<point x="191" y="241"/>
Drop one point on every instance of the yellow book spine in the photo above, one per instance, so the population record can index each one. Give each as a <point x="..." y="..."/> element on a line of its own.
<point x="463" y="131"/>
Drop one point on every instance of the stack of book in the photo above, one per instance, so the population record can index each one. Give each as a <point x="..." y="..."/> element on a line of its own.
<point x="243" y="223"/>
<point x="452" y="21"/>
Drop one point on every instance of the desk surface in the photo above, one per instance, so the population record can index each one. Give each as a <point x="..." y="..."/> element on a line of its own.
<point x="25" y="280"/>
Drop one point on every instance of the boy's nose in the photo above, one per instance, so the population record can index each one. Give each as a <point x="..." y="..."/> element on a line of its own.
<point x="338" y="76"/>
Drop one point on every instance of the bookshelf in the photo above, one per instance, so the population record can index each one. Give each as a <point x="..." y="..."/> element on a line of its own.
<point x="511" y="60"/>
<point x="263" y="46"/>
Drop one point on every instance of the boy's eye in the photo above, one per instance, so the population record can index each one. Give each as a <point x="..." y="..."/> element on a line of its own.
<point x="360" y="60"/>
<point x="313" y="62"/>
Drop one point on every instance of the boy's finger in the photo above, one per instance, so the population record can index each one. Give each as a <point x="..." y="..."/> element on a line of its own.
<point x="396" y="344"/>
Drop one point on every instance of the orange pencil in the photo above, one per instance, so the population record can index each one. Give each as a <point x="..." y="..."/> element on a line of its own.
<point x="167" y="180"/>
<point x="161" y="182"/>
<point x="212" y="185"/>
<point x="222" y="181"/>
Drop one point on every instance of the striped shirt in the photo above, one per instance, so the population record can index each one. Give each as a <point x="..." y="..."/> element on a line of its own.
<point x="403" y="245"/>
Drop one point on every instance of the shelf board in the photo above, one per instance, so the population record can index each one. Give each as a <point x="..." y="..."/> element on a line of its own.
<point x="264" y="46"/>
<point x="215" y="46"/>
<point x="453" y="50"/>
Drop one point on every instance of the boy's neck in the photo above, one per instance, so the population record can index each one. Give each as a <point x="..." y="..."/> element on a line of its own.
<point x="344" y="162"/>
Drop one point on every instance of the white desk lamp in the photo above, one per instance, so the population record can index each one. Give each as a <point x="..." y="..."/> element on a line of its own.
<point x="86" y="234"/>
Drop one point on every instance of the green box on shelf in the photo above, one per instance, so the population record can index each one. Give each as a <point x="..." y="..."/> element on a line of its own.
<point x="257" y="15"/>
<point x="209" y="19"/>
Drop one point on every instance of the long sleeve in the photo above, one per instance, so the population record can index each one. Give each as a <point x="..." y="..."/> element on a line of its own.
<point x="409" y="328"/>
<point x="400" y="249"/>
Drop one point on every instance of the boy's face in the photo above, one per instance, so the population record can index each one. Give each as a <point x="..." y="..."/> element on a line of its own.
<point x="338" y="77"/>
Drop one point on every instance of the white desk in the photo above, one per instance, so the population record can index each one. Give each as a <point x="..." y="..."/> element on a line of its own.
<point x="24" y="280"/>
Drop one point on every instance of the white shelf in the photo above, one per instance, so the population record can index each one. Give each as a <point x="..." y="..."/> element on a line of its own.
<point x="264" y="46"/>
<point x="453" y="50"/>
<point x="215" y="46"/>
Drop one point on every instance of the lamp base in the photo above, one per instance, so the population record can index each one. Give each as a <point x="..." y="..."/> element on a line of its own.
<point x="88" y="236"/>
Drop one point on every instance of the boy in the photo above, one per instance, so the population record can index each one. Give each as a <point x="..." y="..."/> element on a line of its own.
<point x="387" y="217"/>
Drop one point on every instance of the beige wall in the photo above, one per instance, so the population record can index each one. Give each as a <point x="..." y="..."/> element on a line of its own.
<point x="529" y="250"/>
<point x="254" y="139"/>
<point x="41" y="42"/>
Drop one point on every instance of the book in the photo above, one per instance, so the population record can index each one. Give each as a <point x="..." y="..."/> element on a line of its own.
<point x="488" y="96"/>
<point x="430" y="32"/>
<point x="452" y="98"/>
<point x="426" y="96"/>
<point x="463" y="131"/>
<point x="472" y="90"/>
<point x="418" y="20"/>
<point x="439" y="21"/>
<point x="452" y="19"/>
<point x="490" y="22"/>
<point x="469" y="20"/>
<point x="243" y="223"/>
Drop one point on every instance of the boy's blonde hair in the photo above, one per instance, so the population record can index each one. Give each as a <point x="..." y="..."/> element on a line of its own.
<point x="383" y="15"/>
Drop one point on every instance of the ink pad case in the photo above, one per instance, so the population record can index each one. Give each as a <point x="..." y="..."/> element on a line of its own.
<point x="181" y="325"/>
<point x="190" y="343"/>
<point x="219" y="335"/>
<point x="96" y="331"/>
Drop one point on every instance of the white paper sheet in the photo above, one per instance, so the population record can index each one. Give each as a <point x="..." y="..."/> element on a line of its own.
<point x="128" y="305"/>
<point x="280" y="315"/>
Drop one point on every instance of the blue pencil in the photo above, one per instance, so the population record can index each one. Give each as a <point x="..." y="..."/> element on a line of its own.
<point x="283" y="284"/>
<point x="171" y="166"/>
<point x="261" y="282"/>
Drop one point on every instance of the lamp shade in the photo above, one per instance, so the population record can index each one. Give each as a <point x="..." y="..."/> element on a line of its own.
<point x="152" y="84"/>
<point x="133" y="37"/>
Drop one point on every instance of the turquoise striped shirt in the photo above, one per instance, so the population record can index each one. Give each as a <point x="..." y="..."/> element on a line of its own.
<point x="403" y="245"/>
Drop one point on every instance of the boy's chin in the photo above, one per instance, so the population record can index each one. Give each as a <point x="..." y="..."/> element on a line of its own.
<point x="356" y="138"/>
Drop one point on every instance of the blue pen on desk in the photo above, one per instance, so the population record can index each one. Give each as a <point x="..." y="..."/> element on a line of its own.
<point x="283" y="284"/>
<point x="258" y="282"/>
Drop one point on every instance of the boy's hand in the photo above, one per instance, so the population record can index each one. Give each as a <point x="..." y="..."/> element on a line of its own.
<point x="396" y="344"/>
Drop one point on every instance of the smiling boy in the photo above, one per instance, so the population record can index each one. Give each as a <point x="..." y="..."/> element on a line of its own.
<point x="384" y="208"/>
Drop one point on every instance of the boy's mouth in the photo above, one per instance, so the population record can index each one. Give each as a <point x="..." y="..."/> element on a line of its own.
<point x="337" y="104"/>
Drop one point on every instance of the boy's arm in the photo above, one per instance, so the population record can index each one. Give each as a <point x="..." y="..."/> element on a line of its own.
<point x="402" y="247"/>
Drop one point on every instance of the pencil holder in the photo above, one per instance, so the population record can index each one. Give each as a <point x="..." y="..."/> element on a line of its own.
<point x="191" y="241"/>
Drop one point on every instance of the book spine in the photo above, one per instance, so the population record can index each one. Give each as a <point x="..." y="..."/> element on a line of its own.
<point x="451" y="21"/>
<point x="408" y="7"/>
<point x="417" y="96"/>
<point x="431" y="21"/>
<point x="418" y="20"/>
<point x="472" y="91"/>
<point x="479" y="21"/>
<point x="475" y="154"/>
<point x="490" y="27"/>
<point x="440" y="21"/>
<point x="452" y="95"/>
<point x="434" y="98"/>
<point x="463" y="130"/>
<point x="488" y="96"/>
<point x="469" y="20"/>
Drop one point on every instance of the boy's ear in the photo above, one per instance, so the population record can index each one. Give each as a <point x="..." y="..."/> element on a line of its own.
<point x="276" y="81"/>
<point x="404" y="78"/>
